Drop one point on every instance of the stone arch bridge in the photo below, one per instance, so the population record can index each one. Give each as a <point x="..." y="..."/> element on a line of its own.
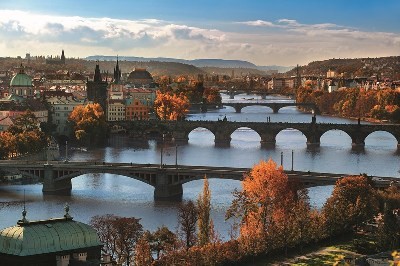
<point x="238" y="106"/>
<point x="167" y="180"/>
<point x="222" y="130"/>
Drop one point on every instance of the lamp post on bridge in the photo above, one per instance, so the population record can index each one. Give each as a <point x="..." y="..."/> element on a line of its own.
<point x="162" y="150"/>
<point x="176" y="156"/>
<point x="292" y="160"/>
<point x="66" y="150"/>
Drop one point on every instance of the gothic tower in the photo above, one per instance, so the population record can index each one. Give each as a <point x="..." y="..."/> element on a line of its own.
<point x="97" y="89"/>
<point x="117" y="74"/>
<point x="62" y="57"/>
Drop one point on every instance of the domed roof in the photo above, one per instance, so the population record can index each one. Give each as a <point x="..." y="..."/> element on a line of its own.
<point x="39" y="237"/>
<point x="139" y="73"/>
<point x="21" y="79"/>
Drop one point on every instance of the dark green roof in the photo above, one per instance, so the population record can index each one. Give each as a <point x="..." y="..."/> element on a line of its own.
<point x="47" y="236"/>
<point x="21" y="80"/>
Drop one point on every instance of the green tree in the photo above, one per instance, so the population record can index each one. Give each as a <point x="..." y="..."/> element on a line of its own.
<point x="388" y="233"/>
<point x="353" y="202"/>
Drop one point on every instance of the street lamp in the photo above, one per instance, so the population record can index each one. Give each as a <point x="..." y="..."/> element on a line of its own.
<point x="161" y="154"/>
<point x="292" y="160"/>
<point x="66" y="150"/>
<point x="281" y="158"/>
<point x="176" y="156"/>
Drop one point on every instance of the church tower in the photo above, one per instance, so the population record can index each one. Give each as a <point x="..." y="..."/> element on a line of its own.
<point x="62" y="57"/>
<point x="97" y="89"/>
<point x="117" y="74"/>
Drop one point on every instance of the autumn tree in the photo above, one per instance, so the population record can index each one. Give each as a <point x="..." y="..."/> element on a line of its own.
<point x="120" y="235"/>
<point x="89" y="123"/>
<point x="161" y="241"/>
<point x="143" y="253"/>
<point x="260" y="205"/>
<point x="25" y="135"/>
<point x="353" y="201"/>
<point x="212" y="95"/>
<point x="203" y="222"/>
<point x="187" y="219"/>
<point x="105" y="230"/>
<point x="170" y="106"/>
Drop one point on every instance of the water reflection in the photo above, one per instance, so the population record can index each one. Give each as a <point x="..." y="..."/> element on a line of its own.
<point x="96" y="194"/>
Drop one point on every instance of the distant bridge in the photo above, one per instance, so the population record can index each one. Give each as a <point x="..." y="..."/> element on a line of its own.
<point x="263" y="93"/>
<point x="167" y="180"/>
<point x="238" y="106"/>
<point x="179" y="130"/>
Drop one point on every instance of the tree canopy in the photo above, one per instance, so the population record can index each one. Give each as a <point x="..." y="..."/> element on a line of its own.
<point x="89" y="124"/>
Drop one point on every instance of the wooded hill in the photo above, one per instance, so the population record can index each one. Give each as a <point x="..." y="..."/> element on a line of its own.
<point x="384" y="67"/>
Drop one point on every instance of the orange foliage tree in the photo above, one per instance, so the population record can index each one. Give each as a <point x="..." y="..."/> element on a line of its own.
<point x="22" y="137"/>
<point x="169" y="106"/>
<point x="263" y="205"/>
<point x="89" y="123"/>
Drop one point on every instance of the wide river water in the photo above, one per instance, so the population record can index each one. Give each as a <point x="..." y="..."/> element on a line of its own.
<point x="97" y="194"/>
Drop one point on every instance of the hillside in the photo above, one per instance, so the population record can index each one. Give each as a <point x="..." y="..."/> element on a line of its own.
<point x="203" y="63"/>
<point x="154" y="67"/>
<point x="384" y="67"/>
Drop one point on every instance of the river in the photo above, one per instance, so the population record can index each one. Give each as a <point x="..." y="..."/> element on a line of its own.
<point x="97" y="194"/>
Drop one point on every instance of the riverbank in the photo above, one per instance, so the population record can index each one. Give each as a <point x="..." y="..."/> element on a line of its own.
<point x="348" y="248"/>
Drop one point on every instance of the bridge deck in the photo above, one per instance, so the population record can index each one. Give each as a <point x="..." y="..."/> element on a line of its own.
<point x="174" y="170"/>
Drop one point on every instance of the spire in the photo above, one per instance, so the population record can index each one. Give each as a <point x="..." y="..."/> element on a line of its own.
<point x="66" y="215"/>
<point x="23" y="220"/>
<point x="97" y="74"/>
<point x="62" y="56"/>
<point x="117" y="73"/>
<point x="21" y="69"/>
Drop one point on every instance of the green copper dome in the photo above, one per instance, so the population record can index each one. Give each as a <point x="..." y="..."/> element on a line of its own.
<point x="40" y="237"/>
<point x="21" y="80"/>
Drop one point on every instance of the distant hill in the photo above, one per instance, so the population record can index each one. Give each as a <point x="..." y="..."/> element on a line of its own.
<point x="220" y="63"/>
<point x="384" y="67"/>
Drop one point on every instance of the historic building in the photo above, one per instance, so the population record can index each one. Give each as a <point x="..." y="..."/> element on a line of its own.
<point x="56" y="60"/>
<point x="57" y="241"/>
<point x="117" y="74"/>
<point x="61" y="107"/>
<point x="140" y="77"/>
<point x="136" y="110"/>
<point x="115" y="110"/>
<point x="21" y="84"/>
<point x="97" y="89"/>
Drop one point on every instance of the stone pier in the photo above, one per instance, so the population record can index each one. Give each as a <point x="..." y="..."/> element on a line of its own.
<point x="165" y="189"/>
<point x="51" y="186"/>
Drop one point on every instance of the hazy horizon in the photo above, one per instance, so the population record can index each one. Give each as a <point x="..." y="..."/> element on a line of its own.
<point x="273" y="32"/>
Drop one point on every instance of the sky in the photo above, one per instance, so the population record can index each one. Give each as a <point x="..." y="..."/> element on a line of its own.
<point x="264" y="32"/>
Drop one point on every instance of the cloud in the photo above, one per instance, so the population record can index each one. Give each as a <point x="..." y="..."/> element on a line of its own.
<point x="282" y="42"/>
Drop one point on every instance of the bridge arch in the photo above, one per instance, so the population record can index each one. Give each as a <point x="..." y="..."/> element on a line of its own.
<point x="385" y="138"/>
<point x="203" y="132"/>
<point x="251" y="134"/>
<point x="336" y="137"/>
<point x="295" y="135"/>
<point x="263" y="108"/>
<point x="144" y="178"/>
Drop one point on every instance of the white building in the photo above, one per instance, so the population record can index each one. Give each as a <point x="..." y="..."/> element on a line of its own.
<point x="62" y="106"/>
